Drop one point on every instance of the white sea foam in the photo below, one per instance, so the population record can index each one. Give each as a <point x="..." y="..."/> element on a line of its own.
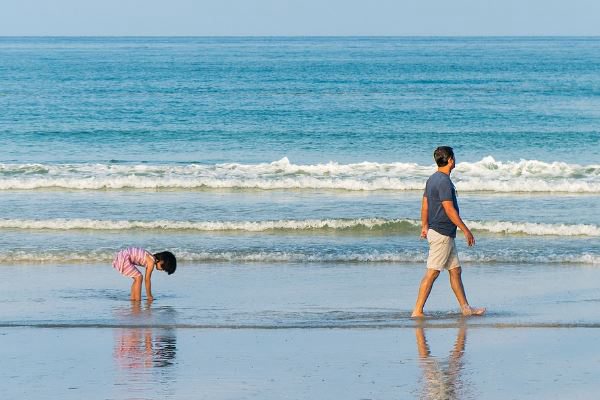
<point x="245" y="226"/>
<point x="391" y="226"/>
<point x="535" y="229"/>
<point x="484" y="175"/>
<point x="270" y="257"/>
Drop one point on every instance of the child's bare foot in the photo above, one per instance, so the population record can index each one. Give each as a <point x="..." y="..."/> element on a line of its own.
<point x="417" y="314"/>
<point x="468" y="311"/>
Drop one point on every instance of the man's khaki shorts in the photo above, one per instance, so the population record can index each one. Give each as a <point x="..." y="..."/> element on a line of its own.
<point x="442" y="252"/>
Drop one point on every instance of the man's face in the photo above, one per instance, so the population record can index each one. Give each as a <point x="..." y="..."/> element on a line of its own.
<point x="452" y="163"/>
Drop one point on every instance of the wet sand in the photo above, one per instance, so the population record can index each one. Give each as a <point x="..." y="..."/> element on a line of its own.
<point x="298" y="332"/>
<point x="146" y="363"/>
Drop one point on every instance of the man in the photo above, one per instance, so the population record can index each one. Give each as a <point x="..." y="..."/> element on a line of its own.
<point x="439" y="220"/>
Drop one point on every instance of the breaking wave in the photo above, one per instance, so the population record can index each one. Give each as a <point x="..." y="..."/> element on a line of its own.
<point x="383" y="225"/>
<point x="270" y="257"/>
<point x="526" y="176"/>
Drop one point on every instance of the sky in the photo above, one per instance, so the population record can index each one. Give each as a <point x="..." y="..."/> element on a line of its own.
<point x="299" y="17"/>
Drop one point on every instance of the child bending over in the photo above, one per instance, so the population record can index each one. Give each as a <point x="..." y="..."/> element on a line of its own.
<point x="126" y="260"/>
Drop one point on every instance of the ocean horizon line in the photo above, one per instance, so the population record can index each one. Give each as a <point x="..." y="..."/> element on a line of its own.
<point x="409" y="36"/>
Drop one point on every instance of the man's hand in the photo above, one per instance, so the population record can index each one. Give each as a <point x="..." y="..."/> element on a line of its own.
<point x="456" y="220"/>
<point x="469" y="237"/>
<point x="424" y="232"/>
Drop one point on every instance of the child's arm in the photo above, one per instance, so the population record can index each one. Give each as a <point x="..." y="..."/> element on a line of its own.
<point x="149" y="269"/>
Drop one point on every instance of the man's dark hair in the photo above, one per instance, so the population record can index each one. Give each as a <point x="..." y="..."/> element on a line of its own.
<point x="169" y="261"/>
<point x="442" y="155"/>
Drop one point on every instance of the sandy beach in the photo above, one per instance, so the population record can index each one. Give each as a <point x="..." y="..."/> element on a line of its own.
<point x="298" y="332"/>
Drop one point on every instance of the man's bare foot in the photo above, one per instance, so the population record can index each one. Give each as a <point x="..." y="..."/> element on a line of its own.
<point x="468" y="311"/>
<point x="417" y="314"/>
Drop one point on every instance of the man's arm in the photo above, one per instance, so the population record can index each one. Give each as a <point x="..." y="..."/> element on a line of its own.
<point x="456" y="220"/>
<point x="424" y="217"/>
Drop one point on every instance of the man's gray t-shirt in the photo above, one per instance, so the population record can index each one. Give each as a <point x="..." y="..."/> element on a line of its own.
<point x="440" y="188"/>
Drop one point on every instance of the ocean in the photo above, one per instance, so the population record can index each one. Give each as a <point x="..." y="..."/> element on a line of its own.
<point x="296" y="149"/>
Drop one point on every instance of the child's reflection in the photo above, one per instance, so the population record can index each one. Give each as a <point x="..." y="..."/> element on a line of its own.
<point x="441" y="378"/>
<point x="144" y="347"/>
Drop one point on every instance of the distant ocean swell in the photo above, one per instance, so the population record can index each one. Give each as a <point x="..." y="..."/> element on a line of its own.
<point x="326" y="225"/>
<point x="486" y="175"/>
<point x="272" y="256"/>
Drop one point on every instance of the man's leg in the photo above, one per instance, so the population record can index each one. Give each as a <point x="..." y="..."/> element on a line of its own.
<point x="424" y="290"/>
<point x="459" y="292"/>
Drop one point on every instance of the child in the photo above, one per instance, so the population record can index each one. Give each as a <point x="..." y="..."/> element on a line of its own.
<point x="126" y="260"/>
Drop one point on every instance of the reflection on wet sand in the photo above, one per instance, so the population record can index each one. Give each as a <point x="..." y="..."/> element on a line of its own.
<point x="442" y="378"/>
<point x="145" y="355"/>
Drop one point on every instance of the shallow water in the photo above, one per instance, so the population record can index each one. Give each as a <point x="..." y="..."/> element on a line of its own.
<point x="286" y="296"/>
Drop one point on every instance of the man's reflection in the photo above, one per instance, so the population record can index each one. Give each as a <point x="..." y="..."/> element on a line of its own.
<point x="441" y="378"/>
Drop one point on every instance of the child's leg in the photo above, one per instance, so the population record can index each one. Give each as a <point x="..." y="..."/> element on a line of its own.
<point x="136" y="289"/>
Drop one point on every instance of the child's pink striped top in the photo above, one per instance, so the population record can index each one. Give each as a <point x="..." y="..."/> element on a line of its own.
<point x="126" y="260"/>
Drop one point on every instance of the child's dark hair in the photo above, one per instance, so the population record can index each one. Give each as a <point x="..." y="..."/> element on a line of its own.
<point x="442" y="155"/>
<point x="169" y="261"/>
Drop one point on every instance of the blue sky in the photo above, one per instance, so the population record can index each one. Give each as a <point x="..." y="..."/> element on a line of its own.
<point x="300" y="17"/>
